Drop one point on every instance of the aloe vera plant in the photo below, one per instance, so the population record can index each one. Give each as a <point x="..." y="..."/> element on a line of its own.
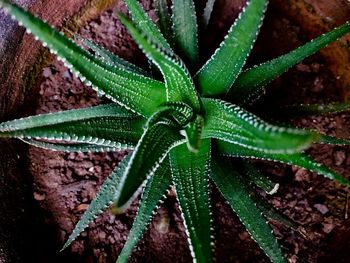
<point x="182" y="129"/>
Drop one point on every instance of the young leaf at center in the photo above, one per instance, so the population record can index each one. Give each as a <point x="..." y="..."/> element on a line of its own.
<point x="160" y="136"/>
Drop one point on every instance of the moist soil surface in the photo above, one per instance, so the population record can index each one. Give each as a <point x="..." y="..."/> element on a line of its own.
<point x="65" y="183"/>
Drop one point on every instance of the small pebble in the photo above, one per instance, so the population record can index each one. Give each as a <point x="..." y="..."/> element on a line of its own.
<point x="321" y="208"/>
<point x="39" y="197"/>
<point x="82" y="207"/>
<point x="339" y="157"/>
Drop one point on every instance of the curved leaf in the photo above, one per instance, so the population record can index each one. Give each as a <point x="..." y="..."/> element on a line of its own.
<point x="296" y="159"/>
<point x="186" y="30"/>
<point x="154" y="192"/>
<point x="135" y="92"/>
<point x="221" y="70"/>
<point x="159" y="137"/>
<point x="107" y="125"/>
<point x="249" y="84"/>
<point x="178" y="113"/>
<point x="178" y="82"/>
<point x="233" y="189"/>
<point x="233" y="124"/>
<point x="190" y="174"/>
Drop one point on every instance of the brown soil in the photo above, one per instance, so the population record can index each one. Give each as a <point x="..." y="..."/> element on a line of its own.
<point x="64" y="184"/>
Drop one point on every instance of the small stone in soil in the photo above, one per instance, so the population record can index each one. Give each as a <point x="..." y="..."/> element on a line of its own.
<point x="339" y="157"/>
<point x="81" y="207"/>
<point x="302" y="67"/>
<point x="244" y="236"/>
<point x="47" y="72"/>
<point x="38" y="197"/>
<point x="321" y="208"/>
<point x="302" y="175"/>
<point x="327" y="227"/>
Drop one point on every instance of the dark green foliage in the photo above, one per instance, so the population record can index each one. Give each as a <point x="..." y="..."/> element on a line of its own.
<point x="191" y="177"/>
<point x="178" y="134"/>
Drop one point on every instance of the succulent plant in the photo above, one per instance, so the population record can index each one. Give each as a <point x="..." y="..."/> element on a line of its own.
<point x="182" y="127"/>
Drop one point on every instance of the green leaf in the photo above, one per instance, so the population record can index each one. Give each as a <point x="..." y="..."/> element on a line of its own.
<point x="153" y="193"/>
<point x="107" y="125"/>
<point x="135" y="92"/>
<point x="73" y="147"/>
<point x="186" y="30"/>
<point x="296" y="159"/>
<point x="209" y="6"/>
<point x="233" y="124"/>
<point x="236" y="194"/>
<point x="164" y="20"/>
<point x="221" y="70"/>
<point x="259" y="179"/>
<point x="145" y="24"/>
<point x="326" y="139"/>
<point x="313" y="109"/>
<point x="190" y="174"/>
<point x="249" y="84"/>
<point x="102" y="201"/>
<point x="267" y="209"/>
<point x="159" y="137"/>
<point x="110" y="58"/>
<point x="178" y="82"/>
<point x="270" y="212"/>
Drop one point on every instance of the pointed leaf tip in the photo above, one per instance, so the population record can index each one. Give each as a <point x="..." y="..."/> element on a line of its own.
<point x="152" y="195"/>
<point x="145" y="23"/>
<point x="259" y="179"/>
<point x="105" y="126"/>
<point x="231" y="123"/>
<point x="249" y="85"/>
<point x="297" y="159"/>
<point x="232" y="187"/>
<point x="102" y="200"/>
<point x="221" y="70"/>
<point x="133" y="91"/>
<point x="207" y="12"/>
